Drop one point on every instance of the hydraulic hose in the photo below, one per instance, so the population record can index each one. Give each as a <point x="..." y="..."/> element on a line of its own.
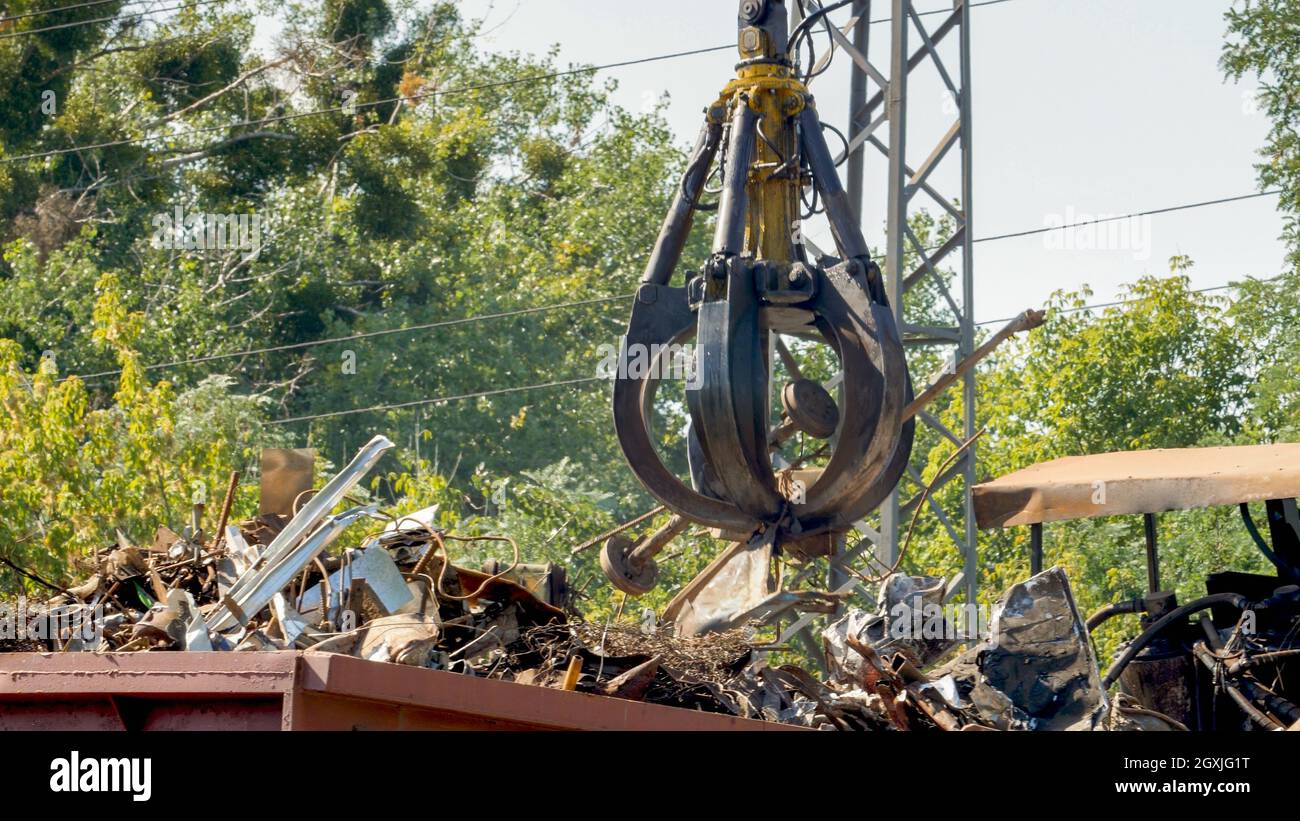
<point x="1158" y="626"/>
<point x="1114" y="609"/>
<point x="1283" y="568"/>
<point x="1250" y="696"/>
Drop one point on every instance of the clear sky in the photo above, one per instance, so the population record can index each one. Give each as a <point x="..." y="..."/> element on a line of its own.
<point x="1081" y="108"/>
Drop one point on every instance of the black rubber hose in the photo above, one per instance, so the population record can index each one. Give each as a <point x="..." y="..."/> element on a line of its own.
<point x="805" y="26"/>
<point x="1283" y="568"/>
<point x="1158" y="626"/>
<point x="1110" y="611"/>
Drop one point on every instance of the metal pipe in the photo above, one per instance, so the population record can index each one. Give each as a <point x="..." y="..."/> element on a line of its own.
<point x="1247" y="663"/>
<point x="857" y="99"/>
<point x="653" y="545"/>
<point x="677" y="225"/>
<point x="836" y="575"/>
<point x="895" y="95"/>
<point x="1025" y="322"/>
<point x="969" y="397"/>
<point x="592" y="542"/>
<point x="226" y="505"/>
<point x="1036" y="552"/>
<point x="729" y="237"/>
<point x="839" y="211"/>
<point x="1212" y="636"/>
<point x="1153" y="554"/>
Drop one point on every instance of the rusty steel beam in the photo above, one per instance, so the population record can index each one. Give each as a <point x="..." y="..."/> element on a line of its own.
<point x="303" y="690"/>
<point x="1026" y="321"/>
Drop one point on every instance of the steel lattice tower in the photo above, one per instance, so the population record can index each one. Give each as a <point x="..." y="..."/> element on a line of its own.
<point x="878" y="119"/>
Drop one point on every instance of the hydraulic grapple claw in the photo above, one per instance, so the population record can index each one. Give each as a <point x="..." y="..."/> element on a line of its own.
<point x="756" y="286"/>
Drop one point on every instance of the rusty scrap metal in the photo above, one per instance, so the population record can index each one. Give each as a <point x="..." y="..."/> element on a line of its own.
<point x="226" y="504"/>
<point x="592" y="542"/>
<point x="1036" y="670"/>
<point x="398" y="597"/>
<point x="287" y="473"/>
<point x="295" y="546"/>
<point x="630" y="566"/>
<point x="940" y="382"/>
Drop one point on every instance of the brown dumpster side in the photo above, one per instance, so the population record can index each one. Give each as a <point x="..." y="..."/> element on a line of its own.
<point x="302" y="691"/>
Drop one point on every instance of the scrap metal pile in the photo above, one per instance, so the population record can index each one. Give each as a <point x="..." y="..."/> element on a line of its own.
<point x="269" y="583"/>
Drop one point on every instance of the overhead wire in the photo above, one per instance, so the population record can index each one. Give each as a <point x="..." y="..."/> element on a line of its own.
<point x="1099" y="220"/>
<point x="625" y="297"/>
<point x="351" y="107"/>
<point x="439" y="400"/>
<point x="10" y="18"/>
<point x="425" y="326"/>
<point x="583" y="380"/>
<point x="1096" y="305"/>
<point x="111" y="18"/>
<point x="355" y="106"/>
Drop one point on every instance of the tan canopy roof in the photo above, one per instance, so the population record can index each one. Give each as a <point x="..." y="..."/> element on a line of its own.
<point x="1144" y="481"/>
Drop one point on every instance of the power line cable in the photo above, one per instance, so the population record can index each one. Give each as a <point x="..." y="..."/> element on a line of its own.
<point x="1077" y="308"/>
<point x="61" y="9"/>
<point x="352" y="107"/>
<point x="588" y="379"/>
<point x="446" y="323"/>
<point x="944" y="11"/>
<point x="579" y="303"/>
<point x="76" y="23"/>
<point x="171" y="173"/>
<point x="1099" y="220"/>
<point x="440" y="400"/>
<point x="1135" y="215"/>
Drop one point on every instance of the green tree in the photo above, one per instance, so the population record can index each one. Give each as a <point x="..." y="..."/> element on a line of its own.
<point x="400" y="177"/>
<point x="72" y="475"/>
<point x="1263" y="40"/>
<point x="1160" y="370"/>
